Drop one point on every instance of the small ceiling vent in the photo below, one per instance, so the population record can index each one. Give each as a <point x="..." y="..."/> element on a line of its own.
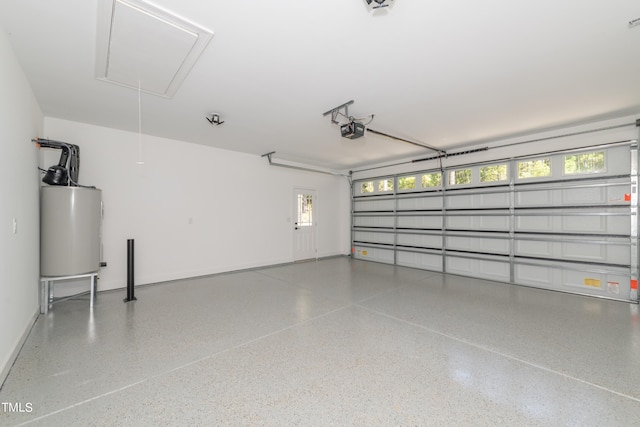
<point x="141" y="45"/>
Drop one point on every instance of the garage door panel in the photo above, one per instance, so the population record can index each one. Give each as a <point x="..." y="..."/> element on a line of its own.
<point x="460" y="243"/>
<point x="620" y="194"/>
<point x="373" y="237"/>
<point x="425" y="203"/>
<point x="533" y="248"/>
<point x="478" y="244"/>
<point x="584" y="196"/>
<point x="594" y="252"/>
<point x="463" y="266"/>
<point x="584" y="224"/>
<point x="374" y="205"/>
<point x="484" y="222"/>
<point x="487" y="269"/>
<point x="417" y="240"/>
<point x="534" y="275"/>
<point x="595" y="283"/>
<point x="534" y="198"/>
<point x="570" y="278"/>
<point x="373" y="221"/>
<point x="425" y="261"/>
<point x="373" y="254"/>
<point x="596" y="223"/>
<point x="431" y="222"/>
<point x="494" y="222"/>
<point x="494" y="270"/>
<point x="459" y="202"/>
<point x="618" y="161"/>
<point x="460" y="223"/>
<point x="610" y="252"/>
<point x="601" y="193"/>
<point x="534" y="223"/>
<point x="494" y="200"/>
<point x="478" y="201"/>
<point x="606" y="221"/>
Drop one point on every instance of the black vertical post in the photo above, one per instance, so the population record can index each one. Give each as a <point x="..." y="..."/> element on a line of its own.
<point x="130" y="293"/>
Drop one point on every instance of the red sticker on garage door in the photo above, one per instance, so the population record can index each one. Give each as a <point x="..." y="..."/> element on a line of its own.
<point x="627" y="197"/>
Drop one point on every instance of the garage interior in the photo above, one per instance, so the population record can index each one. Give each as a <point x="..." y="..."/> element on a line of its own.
<point x="347" y="213"/>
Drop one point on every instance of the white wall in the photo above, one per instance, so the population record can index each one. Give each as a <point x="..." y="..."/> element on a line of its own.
<point x="195" y="210"/>
<point x="20" y="121"/>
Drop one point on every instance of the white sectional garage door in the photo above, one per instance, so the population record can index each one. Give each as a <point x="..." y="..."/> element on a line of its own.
<point x="563" y="221"/>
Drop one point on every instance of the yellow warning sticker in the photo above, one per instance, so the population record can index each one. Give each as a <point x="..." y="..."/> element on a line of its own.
<point x="594" y="283"/>
<point x="365" y="253"/>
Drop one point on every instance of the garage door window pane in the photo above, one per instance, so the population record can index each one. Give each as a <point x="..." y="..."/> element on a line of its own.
<point x="407" y="183"/>
<point x="431" y="180"/>
<point x="366" y="187"/>
<point x="534" y="168"/>
<point x="460" y="177"/>
<point x="385" y="185"/>
<point x="493" y="173"/>
<point x="593" y="162"/>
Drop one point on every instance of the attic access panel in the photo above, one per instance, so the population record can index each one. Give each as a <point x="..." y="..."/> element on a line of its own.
<point x="141" y="44"/>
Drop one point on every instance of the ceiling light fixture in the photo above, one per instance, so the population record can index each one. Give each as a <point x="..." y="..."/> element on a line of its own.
<point x="215" y="119"/>
<point x="380" y="3"/>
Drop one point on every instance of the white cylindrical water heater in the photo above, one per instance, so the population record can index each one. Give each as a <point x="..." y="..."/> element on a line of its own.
<point x="70" y="220"/>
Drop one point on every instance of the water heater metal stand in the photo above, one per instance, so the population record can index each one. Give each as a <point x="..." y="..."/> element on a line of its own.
<point x="46" y="289"/>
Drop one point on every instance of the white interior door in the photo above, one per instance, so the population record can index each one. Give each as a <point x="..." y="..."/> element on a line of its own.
<point x="304" y="224"/>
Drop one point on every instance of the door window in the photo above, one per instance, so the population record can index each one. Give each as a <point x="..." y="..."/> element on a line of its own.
<point x="305" y="210"/>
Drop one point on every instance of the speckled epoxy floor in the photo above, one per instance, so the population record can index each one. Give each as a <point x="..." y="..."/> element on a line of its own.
<point x="331" y="342"/>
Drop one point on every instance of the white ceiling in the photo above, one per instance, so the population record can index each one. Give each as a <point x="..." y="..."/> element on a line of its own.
<point x="446" y="73"/>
